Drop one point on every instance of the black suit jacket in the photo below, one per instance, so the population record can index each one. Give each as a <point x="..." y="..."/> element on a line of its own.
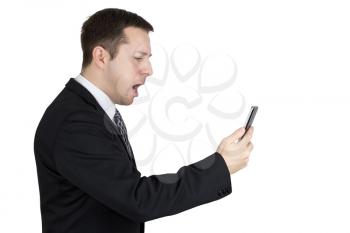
<point x="89" y="183"/>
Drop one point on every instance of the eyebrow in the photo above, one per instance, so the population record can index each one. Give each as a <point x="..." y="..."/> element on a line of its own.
<point x="145" y="54"/>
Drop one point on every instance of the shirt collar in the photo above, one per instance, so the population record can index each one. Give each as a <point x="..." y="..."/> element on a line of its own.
<point x="102" y="98"/>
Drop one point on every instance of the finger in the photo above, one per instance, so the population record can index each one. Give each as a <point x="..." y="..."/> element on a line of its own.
<point x="250" y="146"/>
<point x="245" y="140"/>
<point x="236" y="135"/>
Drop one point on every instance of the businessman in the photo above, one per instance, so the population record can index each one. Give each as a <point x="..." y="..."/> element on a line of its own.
<point x="88" y="179"/>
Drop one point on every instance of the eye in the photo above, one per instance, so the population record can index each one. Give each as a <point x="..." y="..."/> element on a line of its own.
<point x="138" y="58"/>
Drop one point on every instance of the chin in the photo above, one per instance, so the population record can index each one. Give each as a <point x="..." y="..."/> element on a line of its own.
<point x="132" y="101"/>
<point x="128" y="102"/>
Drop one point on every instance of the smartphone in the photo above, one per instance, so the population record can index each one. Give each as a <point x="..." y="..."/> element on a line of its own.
<point x="250" y="118"/>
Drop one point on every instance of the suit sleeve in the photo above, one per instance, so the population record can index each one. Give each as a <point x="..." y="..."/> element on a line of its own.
<point x="89" y="157"/>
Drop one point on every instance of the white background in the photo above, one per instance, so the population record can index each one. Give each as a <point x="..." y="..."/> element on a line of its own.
<point x="292" y="60"/>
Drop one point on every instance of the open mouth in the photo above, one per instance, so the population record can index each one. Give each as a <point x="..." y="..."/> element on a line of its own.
<point x="135" y="89"/>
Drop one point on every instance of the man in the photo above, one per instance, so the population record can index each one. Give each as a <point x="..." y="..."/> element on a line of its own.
<point x="87" y="174"/>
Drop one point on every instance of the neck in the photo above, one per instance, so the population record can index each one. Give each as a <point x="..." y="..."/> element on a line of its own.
<point x="96" y="78"/>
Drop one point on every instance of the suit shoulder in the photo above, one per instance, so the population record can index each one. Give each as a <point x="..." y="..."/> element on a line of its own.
<point x="67" y="106"/>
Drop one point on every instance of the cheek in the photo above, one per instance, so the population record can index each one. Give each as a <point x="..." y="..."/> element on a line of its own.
<point x="123" y="75"/>
<point x="123" y="84"/>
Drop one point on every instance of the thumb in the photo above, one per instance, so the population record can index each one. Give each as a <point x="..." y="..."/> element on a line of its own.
<point x="237" y="134"/>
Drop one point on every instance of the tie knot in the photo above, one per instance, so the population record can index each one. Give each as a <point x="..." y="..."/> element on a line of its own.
<point x="116" y="112"/>
<point x="119" y="122"/>
<point x="117" y="116"/>
<point x="122" y="130"/>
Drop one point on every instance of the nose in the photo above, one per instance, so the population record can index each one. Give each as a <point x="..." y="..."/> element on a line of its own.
<point x="147" y="69"/>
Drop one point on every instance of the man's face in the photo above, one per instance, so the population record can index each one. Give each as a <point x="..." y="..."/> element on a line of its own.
<point x="129" y="69"/>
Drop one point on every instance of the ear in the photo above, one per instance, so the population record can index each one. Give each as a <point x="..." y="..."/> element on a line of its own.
<point x="100" y="56"/>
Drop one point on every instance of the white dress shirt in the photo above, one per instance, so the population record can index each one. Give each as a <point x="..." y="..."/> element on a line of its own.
<point x="102" y="98"/>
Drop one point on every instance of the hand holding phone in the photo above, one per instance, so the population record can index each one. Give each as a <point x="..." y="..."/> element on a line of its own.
<point x="236" y="155"/>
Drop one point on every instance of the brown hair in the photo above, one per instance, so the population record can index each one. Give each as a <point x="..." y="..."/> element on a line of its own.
<point x="105" y="29"/>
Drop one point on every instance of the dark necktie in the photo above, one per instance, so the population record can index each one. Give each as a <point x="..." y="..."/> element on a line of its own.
<point x="122" y="131"/>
